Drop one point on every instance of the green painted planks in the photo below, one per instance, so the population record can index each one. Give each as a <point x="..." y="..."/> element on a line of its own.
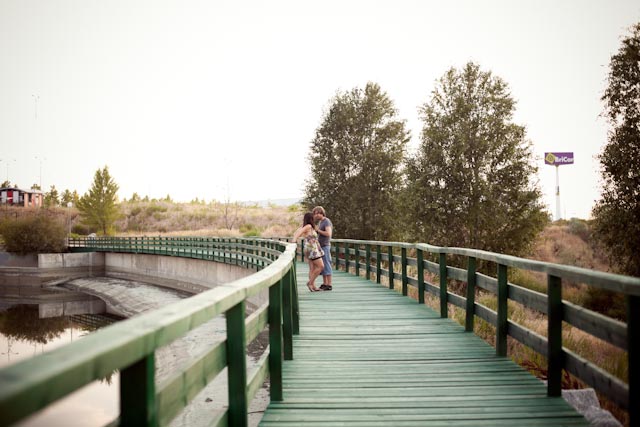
<point x="367" y="356"/>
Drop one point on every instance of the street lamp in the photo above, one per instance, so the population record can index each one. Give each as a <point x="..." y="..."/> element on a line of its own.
<point x="69" y="205"/>
<point x="35" y="99"/>
<point x="8" y="160"/>
<point x="41" y="159"/>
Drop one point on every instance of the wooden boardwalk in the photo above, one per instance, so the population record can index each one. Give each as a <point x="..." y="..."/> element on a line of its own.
<point x="367" y="356"/>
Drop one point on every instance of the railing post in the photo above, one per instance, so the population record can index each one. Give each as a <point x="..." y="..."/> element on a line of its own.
<point x="378" y="262"/>
<point x="224" y="251"/>
<point x="444" y="310"/>
<point x="554" y="333"/>
<point x="275" y="340"/>
<point x="287" y="316"/>
<point x="346" y="257"/>
<point x="138" y="394"/>
<point x="403" y="263"/>
<point x="356" y="248"/>
<point x="471" y="294"/>
<point x="237" y="366"/>
<point x="501" y="327"/>
<point x="420" y="265"/>
<point x="391" y="273"/>
<point x="295" y="307"/>
<point x="336" y="258"/>
<point x="367" y="273"/>
<point x="633" y="355"/>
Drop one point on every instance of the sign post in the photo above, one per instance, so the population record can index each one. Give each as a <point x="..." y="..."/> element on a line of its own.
<point x="558" y="159"/>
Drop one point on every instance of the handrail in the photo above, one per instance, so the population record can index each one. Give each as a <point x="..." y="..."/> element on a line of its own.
<point x="130" y="345"/>
<point x="351" y="253"/>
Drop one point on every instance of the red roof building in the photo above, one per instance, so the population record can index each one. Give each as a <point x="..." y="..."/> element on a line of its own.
<point x="19" y="197"/>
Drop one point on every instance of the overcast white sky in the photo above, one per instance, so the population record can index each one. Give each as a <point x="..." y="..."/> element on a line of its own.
<point x="181" y="97"/>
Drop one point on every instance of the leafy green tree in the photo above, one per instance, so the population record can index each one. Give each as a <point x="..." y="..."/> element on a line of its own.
<point x="5" y="184"/>
<point x="98" y="207"/>
<point x="52" y="197"/>
<point x="356" y="158"/>
<point x="135" y="198"/>
<point x="67" y="197"/>
<point x="617" y="214"/>
<point x="471" y="183"/>
<point x="36" y="187"/>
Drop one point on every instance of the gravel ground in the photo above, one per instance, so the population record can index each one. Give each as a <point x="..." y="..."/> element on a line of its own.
<point x="129" y="298"/>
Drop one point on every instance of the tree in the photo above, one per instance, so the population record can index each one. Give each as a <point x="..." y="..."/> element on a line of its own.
<point x="617" y="214"/>
<point x="52" y="197"/>
<point x="98" y="207"/>
<point x="36" y="187"/>
<point x="5" y="184"/>
<point x="356" y="158"/>
<point x="67" y="197"/>
<point x="471" y="183"/>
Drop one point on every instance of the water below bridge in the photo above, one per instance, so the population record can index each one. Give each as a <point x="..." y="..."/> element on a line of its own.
<point x="97" y="404"/>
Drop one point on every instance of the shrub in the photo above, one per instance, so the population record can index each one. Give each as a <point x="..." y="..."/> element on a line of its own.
<point x="153" y="209"/>
<point x="81" y="229"/>
<point x="249" y="230"/>
<point x="609" y="303"/>
<point x="580" y="228"/>
<point x="33" y="234"/>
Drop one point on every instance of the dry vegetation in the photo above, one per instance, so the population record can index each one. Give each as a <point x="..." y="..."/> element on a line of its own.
<point x="566" y="243"/>
<point x="200" y="219"/>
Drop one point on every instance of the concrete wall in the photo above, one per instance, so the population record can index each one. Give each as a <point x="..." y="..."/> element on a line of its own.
<point x="190" y="275"/>
<point x="84" y="259"/>
<point x="12" y="260"/>
<point x="184" y="274"/>
<point x="51" y="269"/>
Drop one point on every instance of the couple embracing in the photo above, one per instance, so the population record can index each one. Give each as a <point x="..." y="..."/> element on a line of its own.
<point x="316" y="231"/>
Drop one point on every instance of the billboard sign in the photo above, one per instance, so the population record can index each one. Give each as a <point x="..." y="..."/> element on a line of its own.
<point x="558" y="159"/>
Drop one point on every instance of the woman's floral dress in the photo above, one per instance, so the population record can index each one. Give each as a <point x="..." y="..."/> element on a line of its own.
<point x="312" y="248"/>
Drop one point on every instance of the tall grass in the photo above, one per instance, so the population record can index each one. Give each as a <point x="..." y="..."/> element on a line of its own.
<point x="213" y="219"/>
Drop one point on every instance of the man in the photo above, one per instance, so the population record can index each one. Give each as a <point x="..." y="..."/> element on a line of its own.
<point x="324" y="229"/>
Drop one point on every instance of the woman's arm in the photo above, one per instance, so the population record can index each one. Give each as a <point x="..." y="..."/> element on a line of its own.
<point x="300" y="232"/>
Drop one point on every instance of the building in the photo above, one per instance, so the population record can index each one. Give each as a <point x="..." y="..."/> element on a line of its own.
<point x="19" y="197"/>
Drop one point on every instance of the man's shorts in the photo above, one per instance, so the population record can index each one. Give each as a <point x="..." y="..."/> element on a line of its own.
<point x="326" y="258"/>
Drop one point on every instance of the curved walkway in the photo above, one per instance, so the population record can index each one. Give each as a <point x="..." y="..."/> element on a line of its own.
<point x="367" y="356"/>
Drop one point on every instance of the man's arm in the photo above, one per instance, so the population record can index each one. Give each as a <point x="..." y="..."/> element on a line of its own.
<point x="326" y="232"/>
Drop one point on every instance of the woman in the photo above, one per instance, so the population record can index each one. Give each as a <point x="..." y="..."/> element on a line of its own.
<point x="312" y="249"/>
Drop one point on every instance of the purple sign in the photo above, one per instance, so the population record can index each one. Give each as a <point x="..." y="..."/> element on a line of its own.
<point x="558" y="159"/>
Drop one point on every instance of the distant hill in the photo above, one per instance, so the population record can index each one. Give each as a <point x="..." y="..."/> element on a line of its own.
<point x="272" y="202"/>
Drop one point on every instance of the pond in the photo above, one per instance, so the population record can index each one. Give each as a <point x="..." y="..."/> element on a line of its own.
<point x="23" y="335"/>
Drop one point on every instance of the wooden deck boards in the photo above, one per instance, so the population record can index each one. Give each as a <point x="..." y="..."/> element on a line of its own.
<point x="367" y="356"/>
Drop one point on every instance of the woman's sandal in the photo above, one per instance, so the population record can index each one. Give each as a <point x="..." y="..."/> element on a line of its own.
<point x="311" y="287"/>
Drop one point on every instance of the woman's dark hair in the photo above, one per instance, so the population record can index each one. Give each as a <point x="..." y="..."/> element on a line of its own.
<point x="308" y="219"/>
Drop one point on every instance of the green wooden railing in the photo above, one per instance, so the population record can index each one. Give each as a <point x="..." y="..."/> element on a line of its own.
<point x="356" y="255"/>
<point x="129" y="346"/>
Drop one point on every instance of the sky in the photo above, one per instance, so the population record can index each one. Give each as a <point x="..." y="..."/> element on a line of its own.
<point x="221" y="99"/>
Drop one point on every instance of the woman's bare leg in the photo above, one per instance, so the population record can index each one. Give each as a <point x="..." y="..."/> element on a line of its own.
<point x="315" y="268"/>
